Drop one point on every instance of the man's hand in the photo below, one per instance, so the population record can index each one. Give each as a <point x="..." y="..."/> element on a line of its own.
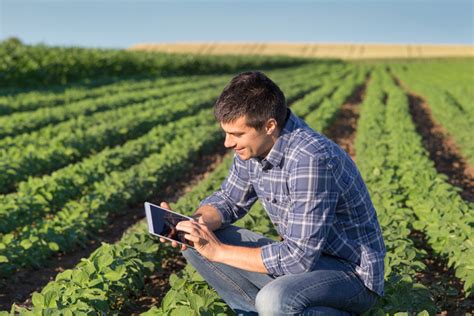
<point x="173" y="243"/>
<point x="205" y="241"/>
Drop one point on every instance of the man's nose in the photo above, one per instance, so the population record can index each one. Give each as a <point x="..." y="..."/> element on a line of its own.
<point x="228" y="143"/>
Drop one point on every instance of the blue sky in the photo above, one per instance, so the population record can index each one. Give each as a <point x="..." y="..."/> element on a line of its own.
<point x="119" y="24"/>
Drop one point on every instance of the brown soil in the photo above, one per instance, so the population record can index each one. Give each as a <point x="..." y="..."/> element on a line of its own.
<point x="156" y="287"/>
<point x="441" y="281"/>
<point x="441" y="147"/>
<point x="447" y="290"/>
<point x="19" y="288"/>
<point x="343" y="130"/>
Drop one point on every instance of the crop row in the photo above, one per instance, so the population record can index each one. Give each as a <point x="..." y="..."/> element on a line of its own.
<point x="250" y="221"/>
<point x="114" y="275"/>
<point x="187" y="285"/>
<point x="45" y="195"/>
<point x="108" y="99"/>
<point x="23" y="122"/>
<point x="323" y="116"/>
<point x="48" y="194"/>
<point x="456" y="79"/>
<point x="403" y="259"/>
<point x="56" y="146"/>
<point x="442" y="214"/>
<point x="33" y="100"/>
<point x="25" y="244"/>
<point x="457" y="117"/>
<point x="40" y="65"/>
<point x="79" y="220"/>
<point x="17" y="163"/>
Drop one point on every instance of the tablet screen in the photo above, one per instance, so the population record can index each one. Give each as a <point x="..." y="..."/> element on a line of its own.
<point x="164" y="224"/>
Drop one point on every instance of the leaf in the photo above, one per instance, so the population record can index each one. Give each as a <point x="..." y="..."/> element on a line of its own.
<point x="182" y="311"/>
<point x="38" y="300"/>
<point x="3" y="259"/>
<point x="53" y="246"/>
<point x="26" y="244"/>
<point x="176" y="282"/>
<point x="168" y="301"/>
<point x="113" y="276"/>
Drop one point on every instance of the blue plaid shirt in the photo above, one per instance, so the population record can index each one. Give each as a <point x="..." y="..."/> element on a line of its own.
<point x="315" y="197"/>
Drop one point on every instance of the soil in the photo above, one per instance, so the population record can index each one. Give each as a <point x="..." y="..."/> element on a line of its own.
<point x="442" y="149"/>
<point x="156" y="287"/>
<point x="19" y="287"/>
<point x="447" y="290"/>
<point x="445" y="287"/>
<point x="343" y="129"/>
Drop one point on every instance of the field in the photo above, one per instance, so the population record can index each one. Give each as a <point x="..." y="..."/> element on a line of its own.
<point x="311" y="50"/>
<point x="86" y="136"/>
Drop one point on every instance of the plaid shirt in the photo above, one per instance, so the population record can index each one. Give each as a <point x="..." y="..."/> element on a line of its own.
<point x="315" y="197"/>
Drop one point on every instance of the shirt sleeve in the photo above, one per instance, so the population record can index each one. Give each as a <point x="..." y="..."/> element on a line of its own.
<point x="313" y="195"/>
<point x="236" y="195"/>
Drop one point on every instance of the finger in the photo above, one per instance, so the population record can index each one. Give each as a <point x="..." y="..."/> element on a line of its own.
<point x="191" y="230"/>
<point x="164" y="205"/>
<point x="196" y="240"/>
<point x="162" y="239"/>
<point x="174" y="244"/>
<point x="184" y="226"/>
<point x="192" y="238"/>
<point x="187" y="224"/>
<point x="183" y="247"/>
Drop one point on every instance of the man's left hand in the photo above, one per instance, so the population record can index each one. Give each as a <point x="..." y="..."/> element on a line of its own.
<point x="205" y="241"/>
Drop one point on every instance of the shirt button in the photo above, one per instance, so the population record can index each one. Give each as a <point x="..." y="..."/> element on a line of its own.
<point x="274" y="201"/>
<point x="267" y="198"/>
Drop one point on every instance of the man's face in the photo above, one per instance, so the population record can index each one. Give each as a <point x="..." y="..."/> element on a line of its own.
<point x="247" y="141"/>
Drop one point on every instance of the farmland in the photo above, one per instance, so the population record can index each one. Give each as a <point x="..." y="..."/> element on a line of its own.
<point x="86" y="136"/>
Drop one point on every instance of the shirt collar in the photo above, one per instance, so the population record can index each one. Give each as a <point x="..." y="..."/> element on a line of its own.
<point x="275" y="155"/>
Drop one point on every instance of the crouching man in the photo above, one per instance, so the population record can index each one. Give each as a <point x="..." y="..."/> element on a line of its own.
<point x="330" y="260"/>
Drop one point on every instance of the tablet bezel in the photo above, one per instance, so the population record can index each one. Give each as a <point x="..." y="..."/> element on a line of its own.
<point x="150" y="222"/>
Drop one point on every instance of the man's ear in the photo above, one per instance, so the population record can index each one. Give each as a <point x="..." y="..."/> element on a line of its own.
<point x="271" y="126"/>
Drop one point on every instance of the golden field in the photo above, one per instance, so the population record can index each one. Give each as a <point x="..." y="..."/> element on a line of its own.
<point x="344" y="51"/>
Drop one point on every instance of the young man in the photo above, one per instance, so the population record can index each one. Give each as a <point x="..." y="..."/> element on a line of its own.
<point x="330" y="260"/>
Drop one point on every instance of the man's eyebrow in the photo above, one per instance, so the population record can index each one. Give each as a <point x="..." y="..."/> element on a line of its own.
<point x="234" y="133"/>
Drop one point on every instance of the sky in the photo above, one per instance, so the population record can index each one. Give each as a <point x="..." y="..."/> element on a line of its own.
<point x="122" y="23"/>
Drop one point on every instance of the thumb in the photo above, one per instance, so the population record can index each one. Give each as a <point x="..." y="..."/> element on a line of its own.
<point x="164" y="205"/>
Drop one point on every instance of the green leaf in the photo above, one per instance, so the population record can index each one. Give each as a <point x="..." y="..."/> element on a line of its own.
<point x="113" y="276"/>
<point x="53" y="246"/>
<point x="176" y="282"/>
<point x="38" y="300"/>
<point x="26" y="243"/>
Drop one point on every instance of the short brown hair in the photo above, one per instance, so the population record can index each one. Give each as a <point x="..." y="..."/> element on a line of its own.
<point x="254" y="95"/>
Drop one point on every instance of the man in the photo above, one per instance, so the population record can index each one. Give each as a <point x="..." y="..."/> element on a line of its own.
<point x="330" y="258"/>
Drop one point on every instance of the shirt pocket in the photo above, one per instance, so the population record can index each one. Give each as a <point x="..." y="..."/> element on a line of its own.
<point x="280" y="205"/>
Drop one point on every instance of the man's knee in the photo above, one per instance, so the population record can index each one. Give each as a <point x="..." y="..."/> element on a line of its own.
<point x="191" y="255"/>
<point x="273" y="299"/>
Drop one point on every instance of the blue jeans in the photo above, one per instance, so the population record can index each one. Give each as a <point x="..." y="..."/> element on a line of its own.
<point x="332" y="288"/>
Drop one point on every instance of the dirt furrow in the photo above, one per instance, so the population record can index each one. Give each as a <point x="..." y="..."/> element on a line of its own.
<point x="446" y="289"/>
<point x="441" y="147"/>
<point x="19" y="288"/>
<point x="343" y="129"/>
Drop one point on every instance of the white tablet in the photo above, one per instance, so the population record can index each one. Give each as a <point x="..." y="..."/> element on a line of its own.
<point x="162" y="223"/>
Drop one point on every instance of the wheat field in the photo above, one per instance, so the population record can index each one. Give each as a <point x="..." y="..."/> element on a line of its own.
<point x="344" y="51"/>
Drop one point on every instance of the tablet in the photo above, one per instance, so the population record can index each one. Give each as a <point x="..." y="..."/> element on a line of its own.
<point x="162" y="223"/>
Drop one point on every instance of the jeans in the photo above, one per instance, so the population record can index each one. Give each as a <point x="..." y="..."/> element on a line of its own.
<point x="332" y="288"/>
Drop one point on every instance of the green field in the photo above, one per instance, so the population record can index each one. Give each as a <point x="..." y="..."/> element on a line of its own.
<point x="88" y="135"/>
